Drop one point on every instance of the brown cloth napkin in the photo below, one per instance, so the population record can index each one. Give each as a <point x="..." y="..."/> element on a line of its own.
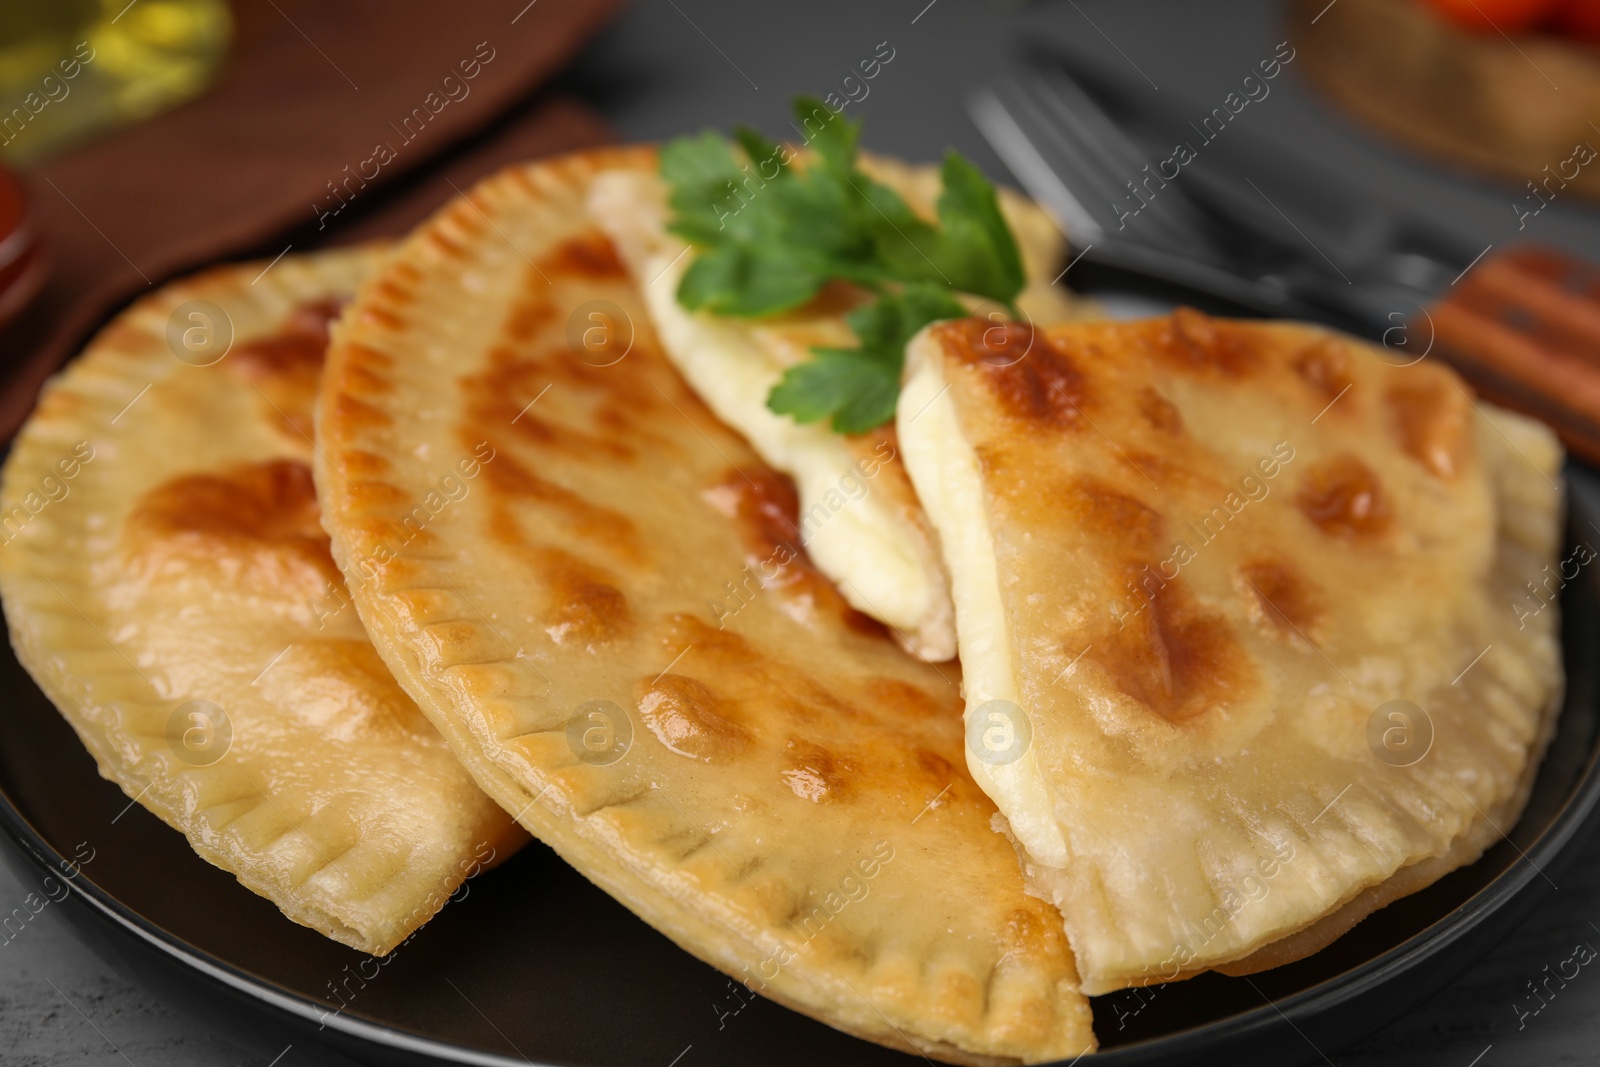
<point x="322" y="109"/>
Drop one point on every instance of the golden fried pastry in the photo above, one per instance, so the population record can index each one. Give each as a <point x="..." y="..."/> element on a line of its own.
<point x="167" y="582"/>
<point x="772" y="783"/>
<point x="1238" y="607"/>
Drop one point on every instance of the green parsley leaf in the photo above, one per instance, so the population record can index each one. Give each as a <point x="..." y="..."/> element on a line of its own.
<point x="770" y="236"/>
<point x="764" y="155"/>
<point x="857" y="393"/>
<point x="748" y="281"/>
<point x="700" y="172"/>
<point x="857" y="387"/>
<point x="889" y="324"/>
<point x="977" y="250"/>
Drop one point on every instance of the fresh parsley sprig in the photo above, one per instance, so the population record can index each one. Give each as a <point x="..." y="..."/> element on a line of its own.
<point x="769" y="236"/>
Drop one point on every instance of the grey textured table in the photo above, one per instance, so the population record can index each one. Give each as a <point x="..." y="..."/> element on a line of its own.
<point x="674" y="65"/>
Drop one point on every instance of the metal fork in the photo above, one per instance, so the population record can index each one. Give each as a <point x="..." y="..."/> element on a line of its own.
<point x="1120" y="211"/>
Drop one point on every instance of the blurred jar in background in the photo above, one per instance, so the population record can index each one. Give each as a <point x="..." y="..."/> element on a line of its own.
<point x="73" y="68"/>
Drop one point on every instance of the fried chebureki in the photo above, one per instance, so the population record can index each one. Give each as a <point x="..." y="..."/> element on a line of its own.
<point x="167" y="583"/>
<point x="779" y="788"/>
<point x="861" y="521"/>
<point x="1235" y="605"/>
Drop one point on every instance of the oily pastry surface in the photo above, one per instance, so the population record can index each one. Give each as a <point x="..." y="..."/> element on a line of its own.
<point x="167" y="582"/>
<point x="779" y="789"/>
<point x="1197" y="559"/>
<point x="860" y="518"/>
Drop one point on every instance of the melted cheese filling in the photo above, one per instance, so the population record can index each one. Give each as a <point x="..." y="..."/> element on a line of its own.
<point x="880" y="563"/>
<point x="944" y="469"/>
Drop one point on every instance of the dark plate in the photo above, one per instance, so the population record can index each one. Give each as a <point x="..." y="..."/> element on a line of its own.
<point x="534" y="964"/>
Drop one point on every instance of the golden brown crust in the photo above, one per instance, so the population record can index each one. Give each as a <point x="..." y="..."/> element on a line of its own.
<point x="258" y="520"/>
<point x="1207" y="616"/>
<point x="178" y="521"/>
<point x="793" y="790"/>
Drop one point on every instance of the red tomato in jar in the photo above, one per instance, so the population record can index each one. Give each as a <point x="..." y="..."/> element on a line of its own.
<point x="1580" y="19"/>
<point x="1502" y="16"/>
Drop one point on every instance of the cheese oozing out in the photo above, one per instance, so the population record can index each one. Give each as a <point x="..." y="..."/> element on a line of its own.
<point x="944" y="469"/>
<point x="870" y="540"/>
